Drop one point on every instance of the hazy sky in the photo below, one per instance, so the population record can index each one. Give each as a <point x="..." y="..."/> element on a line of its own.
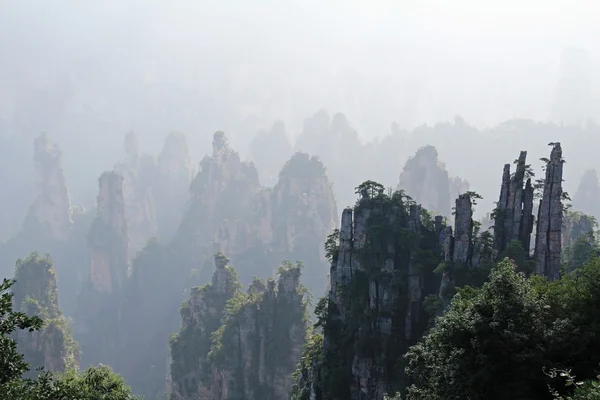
<point x="377" y="61"/>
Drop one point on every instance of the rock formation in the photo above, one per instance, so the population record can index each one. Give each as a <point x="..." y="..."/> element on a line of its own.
<point x="378" y="280"/>
<point x="200" y="318"/>
<point x="262" y="332"/>
<point x="575" y="225"/>
<point x="513" y="216"/>
<point x="108" y="238"/>
<point x="99" y="308"/>
<point x="139" y="174"/>
<point x="51" y="210"/>
<point x="269" y="150"/>
<point x="588" y="193"/>
<point x="303" y="213"/>
<point x="171" y="194"/>
<point x="425" y="177"/>
<point x="255" y="352"/>
<point x="550" y="214"/>
<point x="35" y="293"/>
<point x="222" y="197"/>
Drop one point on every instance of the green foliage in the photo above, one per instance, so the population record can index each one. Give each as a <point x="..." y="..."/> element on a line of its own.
<point x="389" y="235"/>
<point x="12" y="363"/>
<point x="95" y="383"/>
<point x="581" y="390"/>
<point x="311" y="360"/>
<point x="332" y="246"/>
<point x="35" y="293"/>
<point x="515" y="252"/>
<point x="485" y="346"/>
<point x="494" y="342"/>
<point x="92" y="384"/>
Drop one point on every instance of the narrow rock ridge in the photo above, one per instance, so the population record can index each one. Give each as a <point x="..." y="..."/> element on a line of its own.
<point x="51" y="210"/>
<point x="550" y="214"/>
<point x="108" y="238"/>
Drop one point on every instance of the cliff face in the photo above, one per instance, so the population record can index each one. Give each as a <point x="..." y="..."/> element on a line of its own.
<point x="222" y="195"/>
<point x="381" y="271"/>
<point x="51" y="210"/>
<point x="550" y="214"/>
<point x="575" y="225"/>
<point x="35" y="293"/>
<point x="303" y="214"/>
<point x="230" y="212"/>
<point x="513" y="217"/>
<point x="200" y="317"/>
<point x="51" y="226"/>
<point x="99" y="315"/>
<point x="269" y="150"/>
<point x="108" y="237"/>
<point x="255" y="351"/>
<point x="425" y="177"/>
<point x="235" y="345"/>
<point x="588" y="193"/>
<point x="138" y="172"/>
<point x="172" y="192"/>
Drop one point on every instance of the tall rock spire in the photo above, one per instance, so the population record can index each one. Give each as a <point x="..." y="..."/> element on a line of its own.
<point x="51" y="210"/>
<point x="514" y="211"/>
<point x="107" y="240"/>
<point x="550" y="214"/>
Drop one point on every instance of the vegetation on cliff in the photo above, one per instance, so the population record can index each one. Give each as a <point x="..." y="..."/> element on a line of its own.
<point x="36" y="294"/>
<point x="93" y="384"/>
<point x="239" y="345"/>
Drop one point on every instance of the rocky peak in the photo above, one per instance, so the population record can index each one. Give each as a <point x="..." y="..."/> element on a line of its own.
<point x="139" y="177"/>
<point x="463" y="228"/>
<point x="132" y="146"/>
<point x="513" y="217"/>
<point x="35" y="293"/>
<point x="550" y="214"/>
<point x="51" y="210"/>
<point x="200" y="317"/>
<point x="588" y="193"/>
<point x="108" y="237"/>
<point x="425" y="177"/>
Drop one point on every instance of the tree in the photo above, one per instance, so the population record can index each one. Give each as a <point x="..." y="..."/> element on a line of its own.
<point x="93" y="384"/>
<point x="488" y="345"/>
<point x="12" y="363"/>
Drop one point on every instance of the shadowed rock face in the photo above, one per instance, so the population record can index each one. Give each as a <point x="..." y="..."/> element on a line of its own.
<point x="51" y="210"/>
<point x="35" y="293"/>
<point x="549" y="223"/>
